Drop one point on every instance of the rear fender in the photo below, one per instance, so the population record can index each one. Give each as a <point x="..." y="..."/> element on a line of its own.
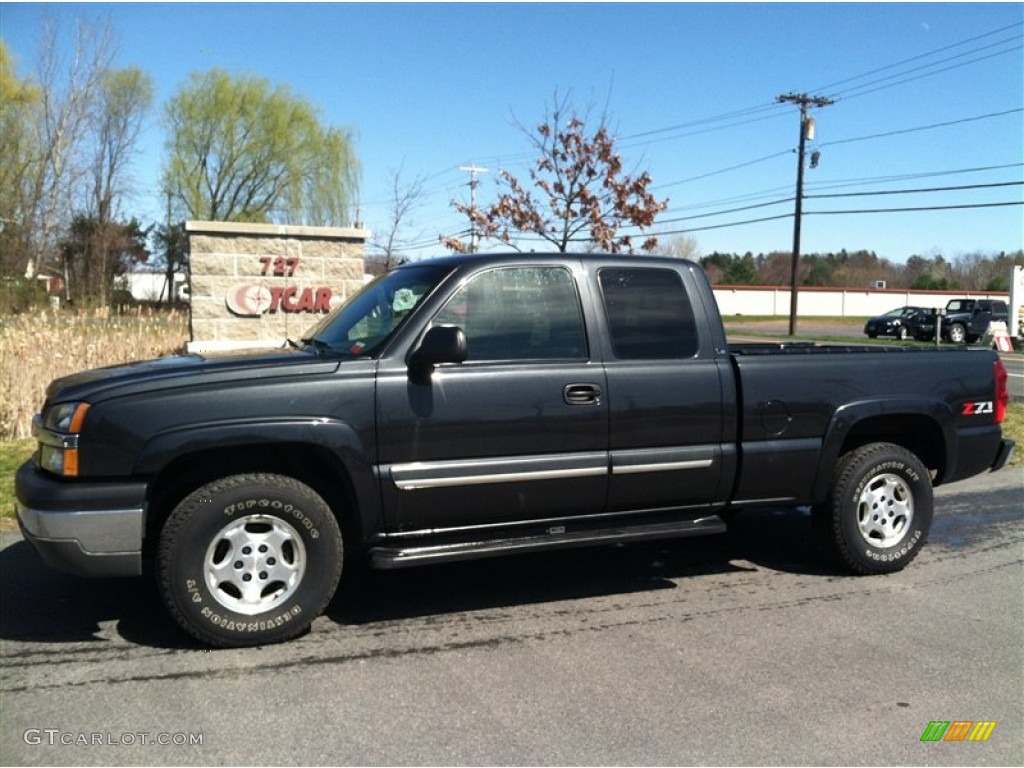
<point x="866" y="421"/>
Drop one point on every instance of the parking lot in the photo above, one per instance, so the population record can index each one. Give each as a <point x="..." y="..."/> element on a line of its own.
<point x="736" y="649"/>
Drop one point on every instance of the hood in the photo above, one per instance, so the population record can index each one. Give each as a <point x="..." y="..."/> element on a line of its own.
<point x="184" y="370"/>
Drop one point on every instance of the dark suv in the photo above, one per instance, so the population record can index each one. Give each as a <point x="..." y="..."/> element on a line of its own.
<point x="966" y="320"/>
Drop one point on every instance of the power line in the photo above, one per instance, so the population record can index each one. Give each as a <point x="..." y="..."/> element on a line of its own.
<point x="726" y="211"/>
<point x="922" y="208"/>
<point x="926" y="74"/>
<point x="688" y="230"/>
<point x="739" y="117"/>
<point x="628" y="145"/>
<point x="838" y="141"/>
<point x="935" y="64"/>
<point x="840" y="183"/>
<point x="704" y="121"/>
<point x="725" y="170"/>
<point x="920" y="56"/>
<point x="922" y="190"/>
<point x="773" y="110"/>
<point x="780" y="201"/>
<point x="923" y="127"/>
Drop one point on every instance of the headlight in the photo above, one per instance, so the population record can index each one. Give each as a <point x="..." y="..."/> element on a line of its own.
<point x="66" y="417"/>
<point x="57" y="433"/>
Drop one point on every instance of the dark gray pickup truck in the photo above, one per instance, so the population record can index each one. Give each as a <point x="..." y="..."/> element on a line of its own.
<point x="477" y="406"/>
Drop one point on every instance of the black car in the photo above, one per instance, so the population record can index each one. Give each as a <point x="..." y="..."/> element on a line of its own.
<point x="895" y="323"/>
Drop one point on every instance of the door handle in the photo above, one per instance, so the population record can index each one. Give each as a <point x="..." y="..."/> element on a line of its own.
<point x="582" y="394"/>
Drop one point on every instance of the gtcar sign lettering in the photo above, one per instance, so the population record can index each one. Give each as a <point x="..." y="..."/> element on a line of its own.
<point x="254" y="300"/>
<point x="977" y="409"/>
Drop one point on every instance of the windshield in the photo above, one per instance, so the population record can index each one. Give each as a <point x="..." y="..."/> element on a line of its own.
<point x="960" y="305"/>
<point x="363" y="323"/>
<point x="901" y="312"/>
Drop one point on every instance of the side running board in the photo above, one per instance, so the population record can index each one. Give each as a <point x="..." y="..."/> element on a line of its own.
<point x="388" y="557"/>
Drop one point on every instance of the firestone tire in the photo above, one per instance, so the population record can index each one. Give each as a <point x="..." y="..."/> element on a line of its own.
<point x="879" y="509"/>
<point x="249" y="560"/>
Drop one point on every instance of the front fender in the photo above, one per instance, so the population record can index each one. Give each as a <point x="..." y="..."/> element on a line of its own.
<point x="338" y="438"/>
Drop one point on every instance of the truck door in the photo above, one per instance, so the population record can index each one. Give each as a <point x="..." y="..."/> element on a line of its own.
<point x="664" y="392"/>
<point x="516" y="433"/>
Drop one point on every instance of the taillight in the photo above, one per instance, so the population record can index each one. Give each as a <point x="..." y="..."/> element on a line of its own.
<point x="1002" y="391"/>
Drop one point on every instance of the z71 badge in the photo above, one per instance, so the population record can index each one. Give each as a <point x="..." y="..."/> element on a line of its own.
<point x="977" y="409"/>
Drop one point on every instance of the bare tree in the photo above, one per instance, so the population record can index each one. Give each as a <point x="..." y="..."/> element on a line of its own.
<point x="122" y="100"/>
<point x="404" y="199"/>
<point x="679" y="247"/>
<point x="583" y="192"/>
<point x="68" y="87"/>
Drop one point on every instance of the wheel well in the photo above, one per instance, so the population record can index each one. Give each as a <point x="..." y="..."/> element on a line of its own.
<point x="918" y="434"/>
<point x="310" y="464"/>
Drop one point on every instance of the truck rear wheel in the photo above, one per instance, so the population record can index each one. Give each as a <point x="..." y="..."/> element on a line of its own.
<point x="249" y="560"/>
<point x="879" y="509"/>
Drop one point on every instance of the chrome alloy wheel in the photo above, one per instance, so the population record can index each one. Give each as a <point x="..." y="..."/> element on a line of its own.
<point x="254" y="563"/>
<point x="885" y="510"/>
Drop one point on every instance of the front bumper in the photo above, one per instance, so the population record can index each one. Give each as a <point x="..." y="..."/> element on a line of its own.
<point x="86" y="528"/>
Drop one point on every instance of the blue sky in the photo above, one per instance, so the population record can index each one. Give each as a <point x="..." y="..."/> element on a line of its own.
<point x="431" y="87"/>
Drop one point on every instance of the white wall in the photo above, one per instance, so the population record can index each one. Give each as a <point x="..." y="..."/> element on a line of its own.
<point x="832" y="302"/>
<point x="148" y="286"/>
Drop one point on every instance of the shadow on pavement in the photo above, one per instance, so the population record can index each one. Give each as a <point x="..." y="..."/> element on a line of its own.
<point x="45" y="606"/>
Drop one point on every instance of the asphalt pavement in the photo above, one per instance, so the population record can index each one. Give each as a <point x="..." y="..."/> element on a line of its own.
<point x="740" y="649"/>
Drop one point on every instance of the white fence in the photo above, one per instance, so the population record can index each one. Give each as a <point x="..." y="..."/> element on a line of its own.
<point x="832" y="302"/>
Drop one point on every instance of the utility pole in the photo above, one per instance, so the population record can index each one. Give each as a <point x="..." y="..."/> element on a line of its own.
<point x="806" y="132"/>
<point x="473" y="183"/>
<point x="169" y="274"/>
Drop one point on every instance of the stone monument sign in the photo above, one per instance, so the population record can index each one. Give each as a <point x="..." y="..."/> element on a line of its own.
<point x="254" y="285"/>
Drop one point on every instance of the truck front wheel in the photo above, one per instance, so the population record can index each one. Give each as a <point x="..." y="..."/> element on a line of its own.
<point x="879" y="509"/>
<point x="249" y="560"/>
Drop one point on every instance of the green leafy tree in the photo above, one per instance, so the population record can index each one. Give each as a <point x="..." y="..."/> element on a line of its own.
<point x="171" y="247"/>
<point x="94" y="253"/>
<point x="19" y="160"/>
<point x="239" y="149"/>
<point x="741" y="271"/>
<point x="583" y="194"/>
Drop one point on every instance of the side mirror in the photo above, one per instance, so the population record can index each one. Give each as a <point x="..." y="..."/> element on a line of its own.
<point x="441" y="344"/>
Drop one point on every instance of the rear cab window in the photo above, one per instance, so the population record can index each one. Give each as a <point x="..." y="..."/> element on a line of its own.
<point x="649" y="314"/>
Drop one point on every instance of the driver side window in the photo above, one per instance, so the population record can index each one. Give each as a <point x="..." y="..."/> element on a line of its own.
<point x="519" y="313"/>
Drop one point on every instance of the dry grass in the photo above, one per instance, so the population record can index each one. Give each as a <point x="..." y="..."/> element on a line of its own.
<point x="40" y="346"/>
